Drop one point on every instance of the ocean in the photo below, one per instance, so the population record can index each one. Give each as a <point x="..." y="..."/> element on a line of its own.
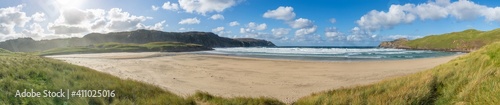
<point x="327" y="53"/>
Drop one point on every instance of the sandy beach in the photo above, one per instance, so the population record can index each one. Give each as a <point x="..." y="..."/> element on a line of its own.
<point x="227" y="76"/>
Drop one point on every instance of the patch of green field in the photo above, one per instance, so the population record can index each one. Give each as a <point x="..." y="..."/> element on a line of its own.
<point x="470" y="79"/>
<point x="128" y="47"/>
<point x="464" y="41"/>
<point x="4" y="51"/>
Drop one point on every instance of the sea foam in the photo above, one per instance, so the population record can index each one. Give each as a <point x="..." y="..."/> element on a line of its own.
<point x="327" y="53"/>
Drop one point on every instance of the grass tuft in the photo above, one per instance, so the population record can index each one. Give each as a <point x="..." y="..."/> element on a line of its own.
<point x="204" y="97"/>
<point x="19" y="71"/>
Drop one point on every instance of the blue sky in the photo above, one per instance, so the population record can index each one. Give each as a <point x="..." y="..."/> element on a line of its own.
<point x="284" y="22"/>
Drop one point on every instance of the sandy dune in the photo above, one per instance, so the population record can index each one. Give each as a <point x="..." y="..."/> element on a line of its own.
<point x="237" y="76"/>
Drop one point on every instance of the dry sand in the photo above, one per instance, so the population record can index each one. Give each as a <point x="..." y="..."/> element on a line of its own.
<point x="286" y="80"/>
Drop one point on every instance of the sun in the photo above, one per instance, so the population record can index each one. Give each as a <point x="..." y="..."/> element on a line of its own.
<point x="64" y="4"/>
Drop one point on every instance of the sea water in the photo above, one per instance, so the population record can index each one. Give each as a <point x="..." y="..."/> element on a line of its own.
<point x="326" y="53"/>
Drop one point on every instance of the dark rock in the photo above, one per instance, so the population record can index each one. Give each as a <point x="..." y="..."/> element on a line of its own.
<point x="398" y="43"/>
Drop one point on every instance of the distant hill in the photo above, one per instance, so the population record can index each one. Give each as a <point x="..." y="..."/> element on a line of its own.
<point x="207" y="39"/>
<point x="465" y="41"/>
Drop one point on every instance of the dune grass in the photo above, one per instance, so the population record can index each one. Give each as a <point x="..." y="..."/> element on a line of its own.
<point x="26" y="71"/>
<point x="470" y="79"/>
<point x="19" y="71"/>
<point x="127" y="47"/>
<point x="204" y="97"/>
<point x="465" y="41"/>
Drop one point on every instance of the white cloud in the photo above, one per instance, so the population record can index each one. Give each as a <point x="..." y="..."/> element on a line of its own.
<point x="492" y="14"/>
<point x="38" y="17"/>
<point x="155" y="8"/>
<point x="234" y="23"/>
<point x="281" y="13"/>
<point x="205" y="6"/>
<point x="190" y="21"/>
<point x="376" y="20"/>
<point x="305" y="31"/>
<point x="256" y="26"/>
<point x="465" y="10"/>
<point x="217" y="17"/>
<point x="301" y="23"/>
<point x="170" y="6"/>
<point x="182" y="29"/>
<point x="218" y="29"/>
<point x="123" y="21"/>
<point x="34" y="31"/>
<point x="443" y="2"/>
<point x="253" y="30"/>
<point x="433" y="10"/>
<point x="333" y="20"/>
<point x="358" y="34"/>
<point x="117" y="14"/>
<point x="71" y="22"/>
<point x="280" y="32"/>
<point x="7" y="29"/>
<point x="98" y="25"/>
<point x="78" y="22"/>
<point x="64" y="29"/>
<point x="245" y="30"/>
<point x="158" y="26"/>
<point x="11" y="17"/>
<point x="251" y="33"/>
<point x="333" y="34"/>
<point x="430" y="11"/>
<point x="77" y="16"/>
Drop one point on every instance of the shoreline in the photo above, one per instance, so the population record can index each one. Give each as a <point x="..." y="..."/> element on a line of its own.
<point x="306" y="60"/>
<point x="230" y="76"/>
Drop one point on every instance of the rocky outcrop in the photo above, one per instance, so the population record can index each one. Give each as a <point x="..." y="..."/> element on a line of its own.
<point x="398" y="43"/>
<point x="207" y="39"/>
<point x="248" y="42"/>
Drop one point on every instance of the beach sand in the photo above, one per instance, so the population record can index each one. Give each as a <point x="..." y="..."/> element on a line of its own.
<point x="227" y="76"/>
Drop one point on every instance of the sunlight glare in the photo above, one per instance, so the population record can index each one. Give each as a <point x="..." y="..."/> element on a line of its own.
<point x="64" y="4"/>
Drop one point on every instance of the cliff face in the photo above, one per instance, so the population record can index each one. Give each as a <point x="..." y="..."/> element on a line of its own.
<point x="139" y="36"/>
<point x="398" y="43"/>
<point x="248" y="42"/>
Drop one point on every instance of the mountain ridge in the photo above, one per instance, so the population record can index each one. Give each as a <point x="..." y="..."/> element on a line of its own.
<point x="141" y="36"/>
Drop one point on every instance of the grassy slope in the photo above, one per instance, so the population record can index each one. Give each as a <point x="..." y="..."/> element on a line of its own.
<point x="122" y="47"/>
<point x="465" y="40"/>
<point x="19" y="71"/>
<point x="470" y="79"/>
<point x="216" y="100"/>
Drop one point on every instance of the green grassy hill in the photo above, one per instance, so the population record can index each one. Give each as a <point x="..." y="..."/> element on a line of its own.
<point x="127" y="47"/>
<point x="19" y="71"/>
<point x="470" y="79"/>
<point x="465" y="41"/>
<point x="4" y="51"/>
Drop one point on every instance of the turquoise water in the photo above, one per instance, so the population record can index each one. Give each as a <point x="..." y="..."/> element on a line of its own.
<point x="328" y="53"/>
